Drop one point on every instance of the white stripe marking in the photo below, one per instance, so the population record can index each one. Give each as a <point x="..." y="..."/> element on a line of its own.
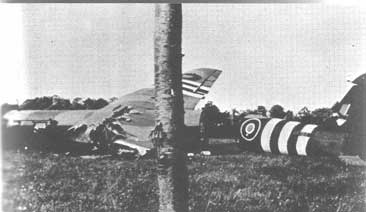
<point x="301" y="144"/>
<point x="309" y="128"/>
<point x="199" y="85"/>
<point x="344" y="109"/>
<point x="340" y="121"/>
<point x="194" y="89"/>
<point x="191" y="82"/>
<point x="192" y="94"/>
<point x="205" y="88"/>
<point x="302" y="141"/>
<point x="190" y="87"/>
<point x="285" y="135"/>
<point x="267" y="132"/>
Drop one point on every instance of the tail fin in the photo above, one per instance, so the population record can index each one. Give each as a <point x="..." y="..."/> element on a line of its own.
<point x="352" y="112"/>
<point x="196" y="84"/>
<point x="351" y="109"/>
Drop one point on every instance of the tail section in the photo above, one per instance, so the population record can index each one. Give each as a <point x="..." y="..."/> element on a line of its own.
<point x="196" y="84"/>
<point x="277" y="136"/>
<point x="294" y="138"/>
<point x="351" y="116"/>
<point x="351" y="110"/>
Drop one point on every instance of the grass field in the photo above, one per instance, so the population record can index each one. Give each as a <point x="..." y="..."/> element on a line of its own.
<point x="243" y="182"/>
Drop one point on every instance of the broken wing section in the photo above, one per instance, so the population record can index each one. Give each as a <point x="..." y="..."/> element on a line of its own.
<point x="135" y="113"/>
<point x="196" y="84"/>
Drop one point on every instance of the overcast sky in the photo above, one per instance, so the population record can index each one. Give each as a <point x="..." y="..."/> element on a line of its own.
<point x="290" y="54"/>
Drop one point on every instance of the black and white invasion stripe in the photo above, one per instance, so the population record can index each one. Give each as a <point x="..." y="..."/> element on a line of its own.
<point x="284" y="137"/>
<point x="194" y="89"/>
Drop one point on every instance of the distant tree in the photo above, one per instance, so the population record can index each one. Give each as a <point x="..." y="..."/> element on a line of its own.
<point x="224" y="118"/>
<point x="27" y="104"/>
<point x="77" y="104"/>
<point x="277" y="112"/>
<point x="44" y="102"/>
<point x="248" y="112"/>
<point x="60" y="104"/>
<point x="212" y="112"/>
<point x="100" y="103"/>
<point x="261" y="110"/>
<point x="38" y="103"/>
<point x="304" y="115"/>
<point x="57" y="103"/>
<point x="240" y="116"/>
<point x="93" y="104"/>
<point x="209" y="118"/>
<point x="304" y="112"/>
<point x="89" y="103"/>
<point x="319" y="116"/>
<point x="289" y="115"/>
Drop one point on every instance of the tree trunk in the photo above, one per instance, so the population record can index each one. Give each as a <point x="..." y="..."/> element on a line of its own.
<point x="172" y="170"/>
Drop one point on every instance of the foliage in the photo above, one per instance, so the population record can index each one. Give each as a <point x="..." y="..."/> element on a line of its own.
<point x="94" y="104"/>
<point x="321" y="115"/>
<point x="57" y="103"/>
<point x="38" y="103"/>
<point x="318" y="116"/>
<point x="106" y="132"/>
<point x="211" y="113"/>
<point x="77" y="104"/>
<point x="277" y="112"/>
<point x="261" y="110"/>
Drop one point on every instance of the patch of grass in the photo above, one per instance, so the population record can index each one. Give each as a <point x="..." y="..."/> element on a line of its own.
<point x="47" y="182"/>
<point x="243" y="182"/>
<point x="254" y="182"/>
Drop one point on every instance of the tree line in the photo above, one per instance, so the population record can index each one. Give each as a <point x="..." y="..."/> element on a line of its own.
<point x="57" y="103"/>
<point x="317" y="116"/>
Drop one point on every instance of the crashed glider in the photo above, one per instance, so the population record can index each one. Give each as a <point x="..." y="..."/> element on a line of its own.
<point x="134" y="113"/>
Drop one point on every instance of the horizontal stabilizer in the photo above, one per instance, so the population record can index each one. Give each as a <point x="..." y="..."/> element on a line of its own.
<point x="196" y="84"/>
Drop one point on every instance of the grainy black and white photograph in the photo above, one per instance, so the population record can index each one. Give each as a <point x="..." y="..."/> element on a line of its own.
<point x="250" y="107"/>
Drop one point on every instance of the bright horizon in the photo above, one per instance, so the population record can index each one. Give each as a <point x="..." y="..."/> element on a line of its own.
<point x="294" y="55"/>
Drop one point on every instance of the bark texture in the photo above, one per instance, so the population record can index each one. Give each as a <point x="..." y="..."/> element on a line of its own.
<point x="172" y="171"/>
